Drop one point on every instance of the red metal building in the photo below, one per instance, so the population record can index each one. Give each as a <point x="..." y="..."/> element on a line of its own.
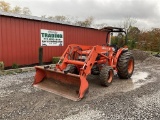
<point x="20" y="38"/>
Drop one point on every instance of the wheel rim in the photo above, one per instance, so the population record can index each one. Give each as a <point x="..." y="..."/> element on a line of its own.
<point x="130" y="66"/>
<point x="110" y="77"/>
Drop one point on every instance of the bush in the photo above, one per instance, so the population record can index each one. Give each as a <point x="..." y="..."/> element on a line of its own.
<point x="55" y="60"/>
<point x="1" y="65"/>
<point x="15" y="65"/>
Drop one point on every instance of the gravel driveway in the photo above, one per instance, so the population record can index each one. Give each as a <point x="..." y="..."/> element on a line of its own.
<point x="136" y="99"/>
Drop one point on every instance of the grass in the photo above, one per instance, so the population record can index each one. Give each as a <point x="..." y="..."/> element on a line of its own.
<point x="152" y="52"/>
<point x="55" y="60"/>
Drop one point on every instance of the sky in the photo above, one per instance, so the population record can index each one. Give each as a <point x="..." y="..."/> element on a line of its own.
<point x="111" y="12"/>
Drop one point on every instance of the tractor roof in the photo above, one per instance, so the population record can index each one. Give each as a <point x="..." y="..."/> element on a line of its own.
<point x="112" y="29"/>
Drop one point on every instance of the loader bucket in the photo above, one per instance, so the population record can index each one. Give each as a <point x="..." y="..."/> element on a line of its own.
<point x="70" y="86"/>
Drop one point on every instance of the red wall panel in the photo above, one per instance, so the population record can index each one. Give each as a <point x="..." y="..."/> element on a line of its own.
<point x="20" y="39"/>
<point x="0" y="42"/>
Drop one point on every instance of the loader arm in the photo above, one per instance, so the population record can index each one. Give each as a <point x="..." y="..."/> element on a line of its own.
<point x="86" y="66"/>
<point x="44" y="77"/>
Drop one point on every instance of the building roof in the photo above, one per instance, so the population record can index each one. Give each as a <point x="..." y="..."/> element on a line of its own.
<point x="30" y="17"/>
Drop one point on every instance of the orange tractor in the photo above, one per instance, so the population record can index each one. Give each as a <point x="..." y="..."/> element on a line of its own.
<point x="69" y="77"/>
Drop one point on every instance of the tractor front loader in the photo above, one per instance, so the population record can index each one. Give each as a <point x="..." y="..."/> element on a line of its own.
<point x="69" y="77"/>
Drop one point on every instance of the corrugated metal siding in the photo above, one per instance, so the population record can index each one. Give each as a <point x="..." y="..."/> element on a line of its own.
<point x="0" y="42"/>
<point x="20" y="39"/>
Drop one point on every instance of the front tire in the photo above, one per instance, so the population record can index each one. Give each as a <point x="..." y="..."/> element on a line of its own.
<point x="106" y="76"/>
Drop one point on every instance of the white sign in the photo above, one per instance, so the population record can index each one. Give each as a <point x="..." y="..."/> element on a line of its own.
<point x="51" y="38"/>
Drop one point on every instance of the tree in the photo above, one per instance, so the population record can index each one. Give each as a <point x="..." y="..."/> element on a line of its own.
<point x="118" y="40"/>
<point x="17" y="9"/>
<point x="100" y="25"/>
<point x="155" y="39"/>
<point x="60" y="18"/>
<point x="43" y="16"/>
<point x="133" y="35"/>
<point x="86" y="23"/>
<point x="26" y="11"/>
<point x="114" y="40"/>
<point x="127" y="24"/>
<point x="50" y="17"/>
<point x="150" y="40"/>
<point x="71" y="20"/>
<point x="4" y="6"/>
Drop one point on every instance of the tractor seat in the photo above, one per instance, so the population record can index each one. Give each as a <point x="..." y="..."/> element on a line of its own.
<point x="115" y="47"/>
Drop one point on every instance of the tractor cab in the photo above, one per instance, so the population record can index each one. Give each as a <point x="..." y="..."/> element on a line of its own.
<point x="110" y="31"/>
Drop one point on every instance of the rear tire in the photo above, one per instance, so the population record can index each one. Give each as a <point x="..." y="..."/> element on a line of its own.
<point x="106" y="76"/>
<point x="125" y="65"/>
